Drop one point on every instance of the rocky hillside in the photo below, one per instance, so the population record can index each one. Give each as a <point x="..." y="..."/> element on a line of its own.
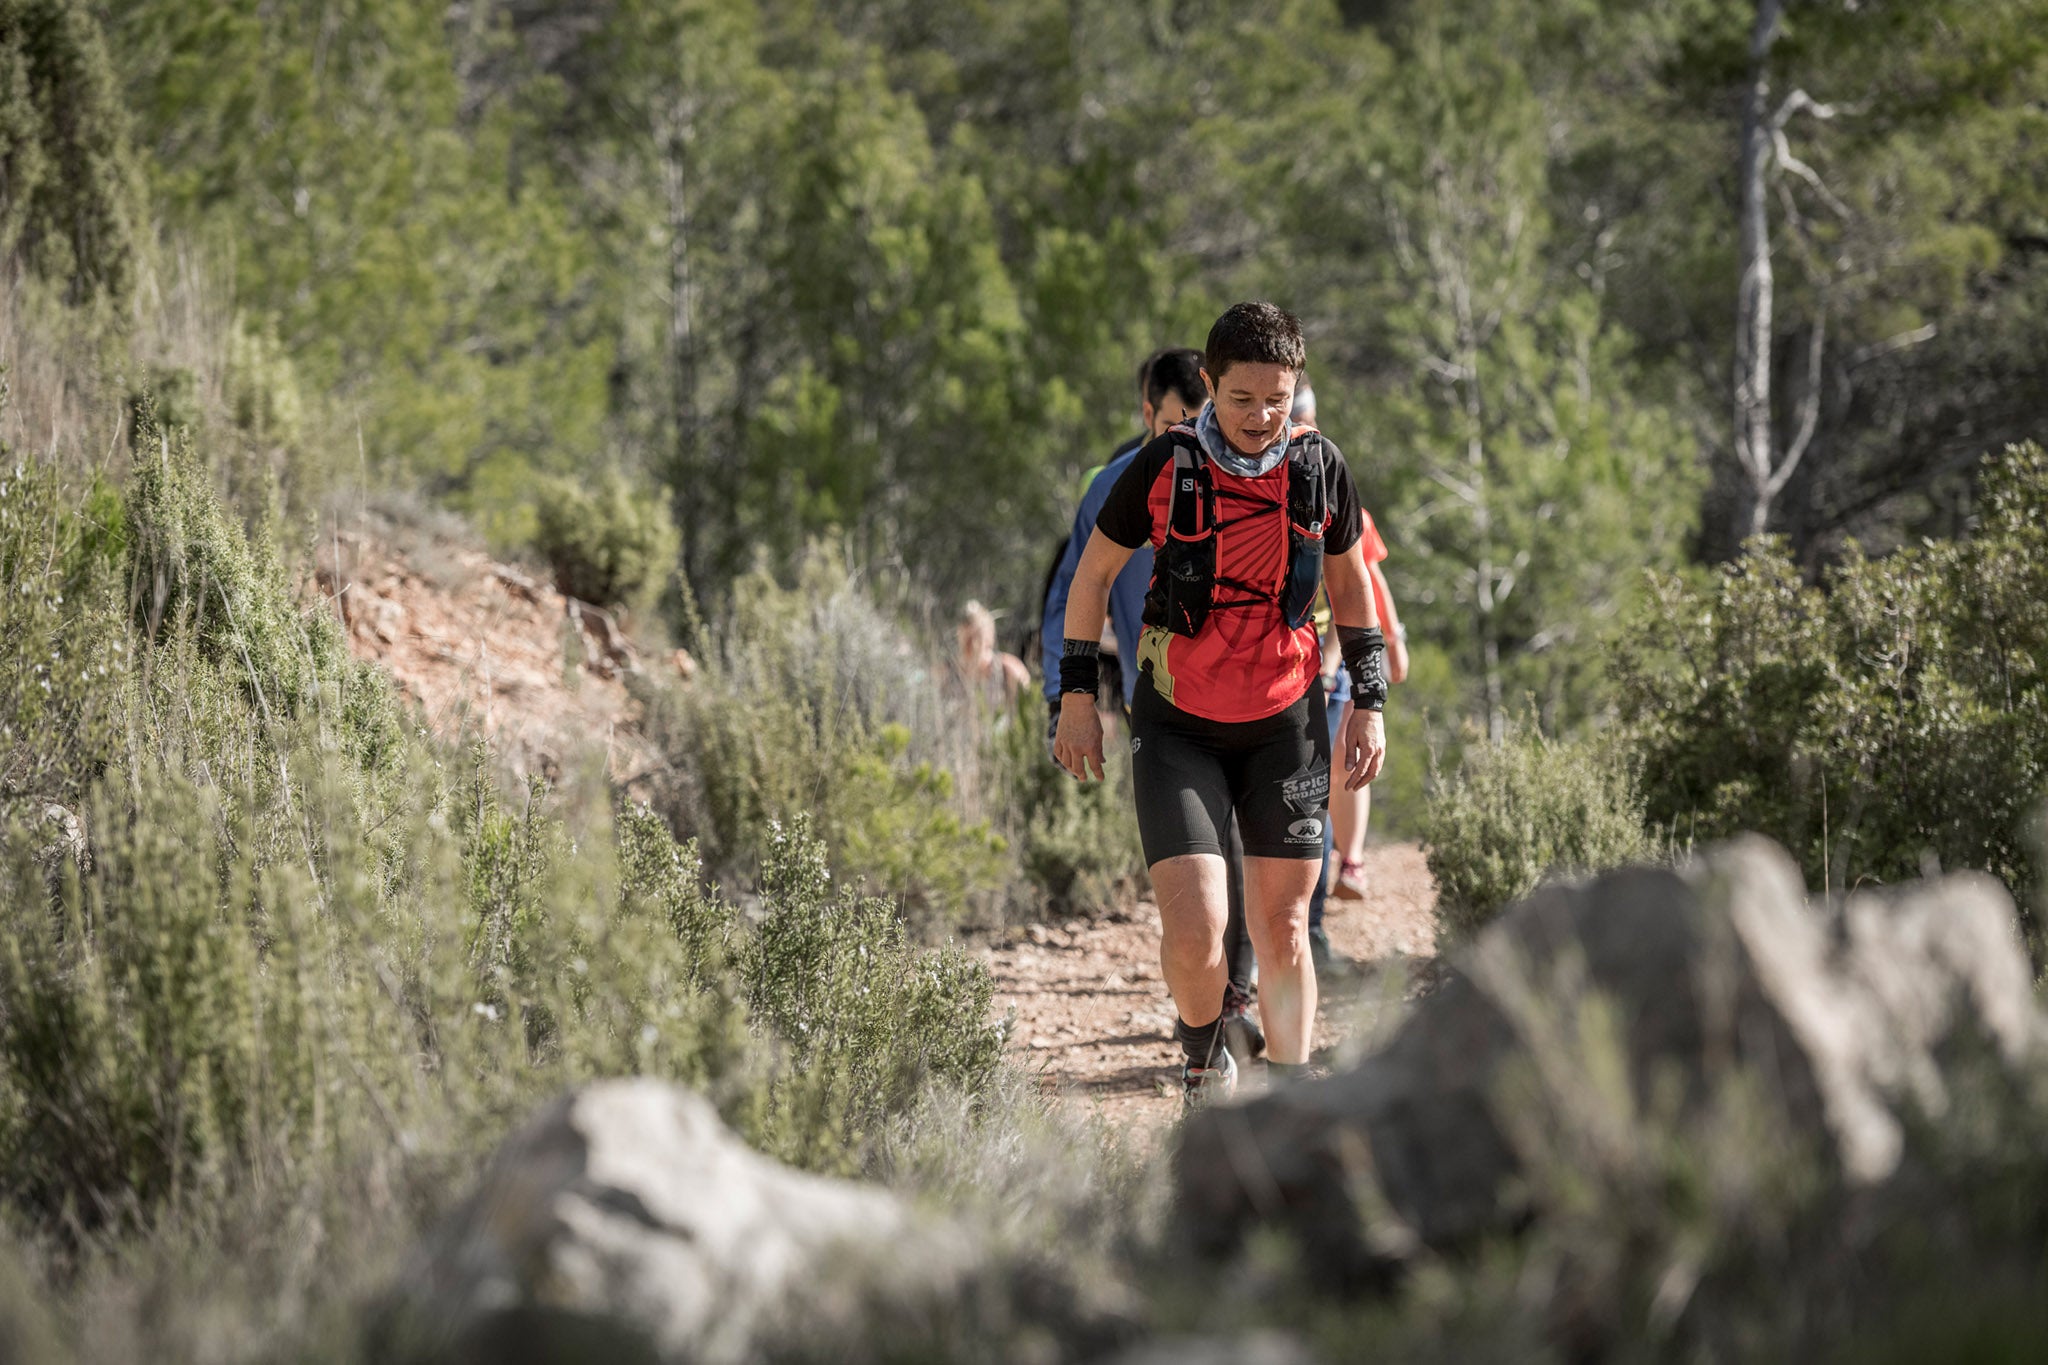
<point x="488" y="649"/>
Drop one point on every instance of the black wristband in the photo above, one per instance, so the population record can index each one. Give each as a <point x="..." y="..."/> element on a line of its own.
<point x="1080" y="668"/>
<point x="1365" y="659"/>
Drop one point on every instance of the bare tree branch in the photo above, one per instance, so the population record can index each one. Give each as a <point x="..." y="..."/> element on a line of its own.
<point x="1464" y="491"/>
<point x="1800" y="102"/>
<point x="1892" y="345"/>
<point x="1783" y="149"/>
<point x="1809" y="408"/>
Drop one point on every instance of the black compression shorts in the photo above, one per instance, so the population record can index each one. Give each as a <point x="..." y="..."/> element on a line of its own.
<point x="1190" y="773"/>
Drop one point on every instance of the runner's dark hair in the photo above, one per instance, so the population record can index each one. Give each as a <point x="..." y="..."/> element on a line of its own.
<point x="1254" y="334"/>
<point x="1176" y="371"/>
<point x="1145" y="371"/>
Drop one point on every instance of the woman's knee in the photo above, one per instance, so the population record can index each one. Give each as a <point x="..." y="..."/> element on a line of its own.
<point x="1192" y="886"/>
<point x="1286" y="931"/>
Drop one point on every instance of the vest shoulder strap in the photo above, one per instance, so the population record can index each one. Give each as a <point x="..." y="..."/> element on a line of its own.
<point x="1307" y="495"/>
<point x="1190" y="476"/>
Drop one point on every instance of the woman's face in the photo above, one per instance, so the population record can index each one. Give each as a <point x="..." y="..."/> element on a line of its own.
<point x="1252" y="403"/>
<point x="976" y="639"/>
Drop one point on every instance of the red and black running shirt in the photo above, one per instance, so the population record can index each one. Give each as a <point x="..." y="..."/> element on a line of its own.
<point x="1245" y="664"/>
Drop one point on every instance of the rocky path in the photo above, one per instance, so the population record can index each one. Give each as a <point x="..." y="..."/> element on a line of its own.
<point x="1094" y="1023"/>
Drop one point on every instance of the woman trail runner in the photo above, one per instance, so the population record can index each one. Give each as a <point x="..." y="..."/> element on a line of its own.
<point x="1247" y="516"/>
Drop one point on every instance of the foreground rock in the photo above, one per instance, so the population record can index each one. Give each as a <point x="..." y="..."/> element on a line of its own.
<point x="1710" y="1000"/>
<point x="626" y="1223"/>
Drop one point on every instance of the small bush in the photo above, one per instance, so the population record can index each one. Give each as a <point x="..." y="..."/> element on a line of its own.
<point x="810" y="701"/>
<point x="65" y="654"/>
<point x="1528" y="808"/>
<point x="609" y="546"/>
<point x="870" y="1021"/>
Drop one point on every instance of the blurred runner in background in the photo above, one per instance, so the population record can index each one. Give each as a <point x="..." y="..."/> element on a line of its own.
<point x="1344" y="851"/>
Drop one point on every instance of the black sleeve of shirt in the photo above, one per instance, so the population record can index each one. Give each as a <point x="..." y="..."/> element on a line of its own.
<point x="1126" y="517"/>
<point x="1346" y="523"/>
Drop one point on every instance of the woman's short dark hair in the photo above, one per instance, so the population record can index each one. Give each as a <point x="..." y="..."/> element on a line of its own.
<point x="1176" y="371"/>
<point x="1255" y="334"/>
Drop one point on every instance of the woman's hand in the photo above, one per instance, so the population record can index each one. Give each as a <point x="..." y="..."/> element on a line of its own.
<point x="1077" y="743"/>
<point x="1362" y="744"/>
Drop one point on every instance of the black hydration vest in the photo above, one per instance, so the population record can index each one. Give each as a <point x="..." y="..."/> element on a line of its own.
<point x="1184" y="572"/>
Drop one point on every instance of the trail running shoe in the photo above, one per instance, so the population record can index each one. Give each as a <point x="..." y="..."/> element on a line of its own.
<point x="1242" y="1035"/>
<point x="1210" y="1084"/>
<point x="1350" y="881"/>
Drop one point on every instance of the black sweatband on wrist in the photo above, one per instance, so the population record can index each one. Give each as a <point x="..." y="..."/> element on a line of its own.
<point x="1080" y="667"/>
<point x="1365" y="659"/>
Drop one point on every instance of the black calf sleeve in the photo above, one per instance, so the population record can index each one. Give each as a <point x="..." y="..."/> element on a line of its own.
<point x="1199" y="1043"/>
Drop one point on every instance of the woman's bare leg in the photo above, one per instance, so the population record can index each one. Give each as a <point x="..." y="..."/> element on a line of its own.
<point x="1276" y="892"/>
<point x="1193" y="904"/>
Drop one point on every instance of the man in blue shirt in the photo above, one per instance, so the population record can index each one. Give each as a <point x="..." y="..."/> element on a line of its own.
<point x="1170" y="390"/>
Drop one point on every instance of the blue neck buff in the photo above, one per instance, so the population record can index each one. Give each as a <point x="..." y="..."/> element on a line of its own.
<point x="1218" y="449"/>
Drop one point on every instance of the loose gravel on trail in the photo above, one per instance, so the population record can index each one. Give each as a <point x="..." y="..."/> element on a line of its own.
<point x="1094" y="1023"/>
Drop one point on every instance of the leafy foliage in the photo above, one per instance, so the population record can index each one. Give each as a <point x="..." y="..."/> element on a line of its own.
<point x="810" y="701"/>
<point x="1886" y="721"/>
<point x="62" y="672"/>
<point x="1077" y="843"/>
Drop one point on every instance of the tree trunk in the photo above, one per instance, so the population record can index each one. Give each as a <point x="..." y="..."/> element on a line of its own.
<point x="1487" y="572"/>
<point x="687" y="482"/>
<point x="1755" y="445"/>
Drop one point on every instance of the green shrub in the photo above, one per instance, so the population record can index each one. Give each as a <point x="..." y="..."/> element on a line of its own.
<point x="65" y="654"/>
<point x="71" y="193"/>
<point x="609" y="546"/>
<point x="1889" y="718"/>
<point x="810" y="701"/>
<point x="1517" y="812"/>
<point x="260" y="386"/>
<point x="306" y="943"/>
<point x="901" y="828"/>
<point x="871" y="1022"/>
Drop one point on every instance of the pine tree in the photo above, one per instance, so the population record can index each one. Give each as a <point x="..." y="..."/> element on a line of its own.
<point x="70" y="197"/>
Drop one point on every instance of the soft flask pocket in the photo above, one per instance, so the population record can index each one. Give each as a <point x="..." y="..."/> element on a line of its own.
<point x="1187" y="577"/>
<point x="1304" y="575"/>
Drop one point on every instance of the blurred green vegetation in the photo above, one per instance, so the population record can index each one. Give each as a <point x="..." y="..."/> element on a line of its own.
<point x="263" y="940"/>
<point x="795" y="321"/>
<point x="1528" y="807"/>
<point x="877" y="270"/>
<point x="1883" y="723"/>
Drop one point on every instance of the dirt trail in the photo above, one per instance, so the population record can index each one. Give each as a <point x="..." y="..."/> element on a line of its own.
<point x="1093" y="1020"/>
